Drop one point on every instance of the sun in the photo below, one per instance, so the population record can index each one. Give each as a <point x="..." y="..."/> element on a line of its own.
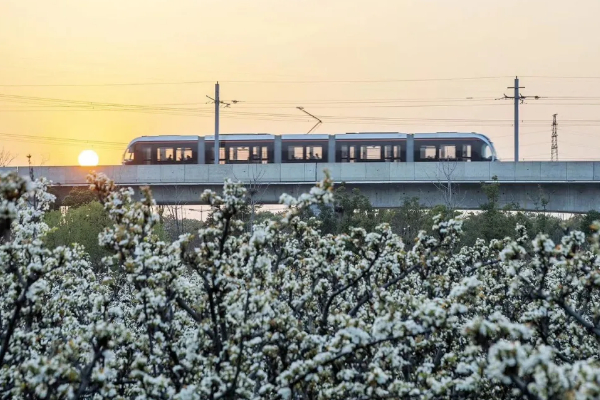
<point x="88" y="158"/>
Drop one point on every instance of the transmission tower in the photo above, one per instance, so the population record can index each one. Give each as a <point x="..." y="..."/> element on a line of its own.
<point x="554" y="148"/>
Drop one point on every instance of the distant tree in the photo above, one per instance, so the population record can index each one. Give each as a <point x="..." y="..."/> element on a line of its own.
<point x="79" y="196"/>
<point x="80" y="225"/>
<point x="412" y="217"/>
<point x="492" y="222"/>
<point x="264" y="216"/>
<point x="174" y="227"/>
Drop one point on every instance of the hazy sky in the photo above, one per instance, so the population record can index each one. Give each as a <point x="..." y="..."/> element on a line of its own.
<point x="264" y="42"/>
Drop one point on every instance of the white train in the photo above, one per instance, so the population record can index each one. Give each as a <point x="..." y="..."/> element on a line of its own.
<point x="348" y="147"/>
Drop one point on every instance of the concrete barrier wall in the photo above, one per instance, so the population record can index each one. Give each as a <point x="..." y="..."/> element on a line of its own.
<point x="311" y="172"/>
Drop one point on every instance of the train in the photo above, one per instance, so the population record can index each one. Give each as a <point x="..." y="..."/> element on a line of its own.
<point x="317" y="148"/>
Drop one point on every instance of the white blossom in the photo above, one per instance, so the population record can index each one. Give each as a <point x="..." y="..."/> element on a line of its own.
<point x="287" y="312"/>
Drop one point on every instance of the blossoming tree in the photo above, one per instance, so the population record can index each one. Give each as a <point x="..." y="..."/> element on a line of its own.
<point x="285" y="312"/>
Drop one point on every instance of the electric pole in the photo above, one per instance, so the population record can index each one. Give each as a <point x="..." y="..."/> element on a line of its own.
<point x="519" y="99"/>
<point x="218" y="102"/>
<point x="554" y="148"/>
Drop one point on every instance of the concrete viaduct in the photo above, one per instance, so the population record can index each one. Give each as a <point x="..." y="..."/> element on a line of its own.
<point x="572" y="187"/>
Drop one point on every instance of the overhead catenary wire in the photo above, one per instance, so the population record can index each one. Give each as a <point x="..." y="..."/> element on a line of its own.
<point x="61" y="140"/>
<point x="36" y="103"/>
<point x="256" y="81"/>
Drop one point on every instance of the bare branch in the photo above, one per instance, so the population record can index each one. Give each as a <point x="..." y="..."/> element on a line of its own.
<point x="6" y="157"/>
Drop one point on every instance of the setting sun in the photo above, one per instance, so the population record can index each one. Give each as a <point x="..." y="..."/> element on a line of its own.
<point x="88" y="158"/>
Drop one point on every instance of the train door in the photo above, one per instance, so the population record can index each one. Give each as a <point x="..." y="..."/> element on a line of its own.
<point x="348" y="153"/>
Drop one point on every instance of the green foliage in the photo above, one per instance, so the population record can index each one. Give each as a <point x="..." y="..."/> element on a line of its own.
<point x="266" y="216"/>
<point x="411" y="218"/>
<point x="587" y="220"/>
<point x="79" y="225"/>
<point x="352" y="209"/>
<point x="494" y="222"/>
<point x="79" y="196"/>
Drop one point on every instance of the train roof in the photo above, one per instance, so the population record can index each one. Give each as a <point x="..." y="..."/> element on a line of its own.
<point x="303" y="136"/>
<point x="165" y="138"/>
<point x="371" y="135"/>
<point x="241" y="137"/>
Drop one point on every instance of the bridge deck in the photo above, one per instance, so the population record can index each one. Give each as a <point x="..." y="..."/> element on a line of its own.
<point x="561" y="186"/>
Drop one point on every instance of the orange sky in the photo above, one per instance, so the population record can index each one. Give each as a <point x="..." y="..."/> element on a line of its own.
<point x="74" y="42"/>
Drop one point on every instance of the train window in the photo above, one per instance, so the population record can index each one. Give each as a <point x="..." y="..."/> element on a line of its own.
<point x="486" y="153"/>
<point x="260" y="154"/>
<point x="387" y="152"/>
<point x="295" y="153"/>
<point x="314" y="152"/>
<point x="348" y="153"/>
<point x="264" y="154"/>
<point x="370" y="152"/>
<point x="129" y="155"/>
<point x="239" y="153"/>
<point x="428" y="152"/>
<point x="164" y="154"/>
<point x="146" y="152"/>
<point x="183" y="154"/>
<point x="466" y="152"/>
<point x="210" y="154"/>
<point x="392" y="153"/>
<point x="447" y="152"/>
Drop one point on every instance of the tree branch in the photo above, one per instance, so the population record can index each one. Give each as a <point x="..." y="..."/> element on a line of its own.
<point x="344" y="288"/>
<point x="367" y="296"/>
